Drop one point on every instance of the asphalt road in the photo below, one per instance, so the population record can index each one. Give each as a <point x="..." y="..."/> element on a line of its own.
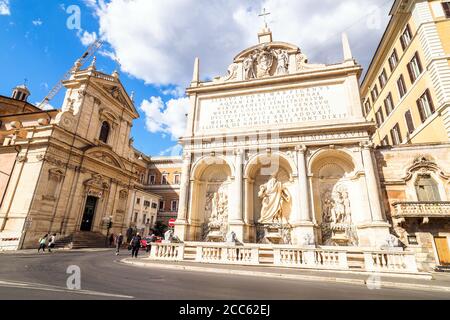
<point x="32" y="276"/>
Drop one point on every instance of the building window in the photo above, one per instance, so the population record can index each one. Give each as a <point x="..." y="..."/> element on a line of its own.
<point x="385" y="141"/>
<point x="406" y="37"/>
<point x="374" y="93"/>
<point x="393" y="60"/>
<point x="152" y="179"/>
<point x="425" y="106"/>
<point x="401" y="86"/>
<point x="446" y="6"/>
<point x="415" y="68"/>
<point x="379" y="117"/>
<point x="367" y="107"/>
<point x="412" y="240"/>
<point x="164" y="179"/>
<point x="138" y="201"/>
<point x="388" y="104"/>
<point x="176" y="179"/>
<point x="382" y="79"/>
<point x="396" y="135"/>
<point x="104" y="132"/>
<point x="174" y="205"/>
<point x="409" y="122"/>
<point x="135" y="217"/>
<point x="162" y="205"/>
<point x="144" y="219"/>
<point x="152" y="220"/>
<point x="427" y="189"/>
<point x="154" y="205"/>
<point x="146" y="203"/>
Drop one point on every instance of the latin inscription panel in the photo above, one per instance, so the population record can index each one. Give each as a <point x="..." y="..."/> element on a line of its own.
<point x="271" y="109"/>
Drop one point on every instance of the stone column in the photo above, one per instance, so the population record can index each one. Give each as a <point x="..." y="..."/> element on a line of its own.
<point x="303" y="197"/>
<point x="236" y="215"/>
<point x="372" y="185"/>
<point x="181" y="223"/>
<point x="376" y="229"/>
<point x="303" y="227"/>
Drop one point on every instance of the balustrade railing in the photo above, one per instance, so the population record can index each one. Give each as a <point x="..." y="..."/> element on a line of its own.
<point x="227" y="254"/>
<point x="326" y="258"/>
<point x="310" y="258"/>
<point x="388" y="261"/>
<point x="421" y="209"/>
<point x="167" y="251"/>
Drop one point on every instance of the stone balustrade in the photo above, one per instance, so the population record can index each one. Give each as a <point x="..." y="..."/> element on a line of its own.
<point x="421" y="209"/>
<point x="310" y="258"/>
<point x="167" y="251"/>
<point x="209" y="253"/>
<point x="307" y="257"/>
<point x="390" y="261"/>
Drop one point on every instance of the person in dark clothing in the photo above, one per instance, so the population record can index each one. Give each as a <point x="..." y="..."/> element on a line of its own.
<point x="43" y="243"/>
<point x="111" y="240"/>
<point x="135" y="245"/>
<point x="52" y="242"/>
<point x="129" y="234"/>
<point x="119" y="241"/>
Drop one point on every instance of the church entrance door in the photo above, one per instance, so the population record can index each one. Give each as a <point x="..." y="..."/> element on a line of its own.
<point x="443" y="250"/>
<point x="89" y="212"/>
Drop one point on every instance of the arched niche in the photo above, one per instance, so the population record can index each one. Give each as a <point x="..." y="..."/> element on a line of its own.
<point x="211" y="179"/>
<point x="258" y="172"/>
<point x="336" y="193"/>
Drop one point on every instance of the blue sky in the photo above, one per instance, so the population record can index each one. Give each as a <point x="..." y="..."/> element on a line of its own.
<point x="157" y="41"/>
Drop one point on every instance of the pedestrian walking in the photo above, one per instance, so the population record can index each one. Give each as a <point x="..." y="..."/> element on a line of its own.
<point x="111" y="240"/>
<point x="129" y="234"/>
<point x="135" y="245"/>
<point x="43" y="243"/>
<point x="52" y="242"/>
<point x="119" y="241"/>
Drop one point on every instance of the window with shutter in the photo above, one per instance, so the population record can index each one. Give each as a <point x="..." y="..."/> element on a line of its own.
<point x="393" y="60"/>
<point x="401" y="86"/>
<point x="425" y="106"/>
<point x="446" y="6"/>
<point x="389" y="104"/>
<point x="427" y="189"/>
<point x="406" y="37"/>
<point x="409" y="122"/>
<point x="395" y="135"/>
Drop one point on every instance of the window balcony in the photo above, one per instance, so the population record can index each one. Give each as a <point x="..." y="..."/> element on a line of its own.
<point x="426" y="210"/>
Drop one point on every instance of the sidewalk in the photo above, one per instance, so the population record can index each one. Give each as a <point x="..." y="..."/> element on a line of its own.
<point x="431" y="282"/>
<point x="34" y="251"/>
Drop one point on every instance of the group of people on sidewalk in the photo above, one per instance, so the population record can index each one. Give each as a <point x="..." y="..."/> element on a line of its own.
<point x="134" y="245"/>
<point x="47" y="241"/>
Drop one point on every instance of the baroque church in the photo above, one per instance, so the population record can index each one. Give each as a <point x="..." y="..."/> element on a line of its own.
<point x="73" y="171"/>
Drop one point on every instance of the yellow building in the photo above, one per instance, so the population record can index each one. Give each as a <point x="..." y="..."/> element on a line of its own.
<point x="406" y="90"/>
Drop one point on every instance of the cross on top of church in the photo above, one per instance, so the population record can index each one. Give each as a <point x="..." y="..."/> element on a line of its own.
<point x="264" y="15"/>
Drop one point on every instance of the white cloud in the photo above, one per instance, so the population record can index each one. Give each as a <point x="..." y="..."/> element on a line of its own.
<point x="37" y="22"/>
<point x="161" y="40"/>
<point x="4" y="8"/>
<point x="87" y="38"/>
<point x="167" y="117"/>
<point x="173" y="151"/>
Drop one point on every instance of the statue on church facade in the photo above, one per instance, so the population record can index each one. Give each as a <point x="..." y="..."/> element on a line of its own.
<point x="274" y="195"/>
<point x="282" y="62"/>
<point x="249" y="68"/>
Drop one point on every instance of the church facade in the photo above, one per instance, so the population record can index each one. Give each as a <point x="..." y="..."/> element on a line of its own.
<point x="74" y="171"/>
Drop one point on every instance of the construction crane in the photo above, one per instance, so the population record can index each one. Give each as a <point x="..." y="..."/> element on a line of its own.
<point x="91" y="50"/>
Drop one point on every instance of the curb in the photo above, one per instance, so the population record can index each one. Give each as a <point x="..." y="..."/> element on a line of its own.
<point x="383" y="284"/>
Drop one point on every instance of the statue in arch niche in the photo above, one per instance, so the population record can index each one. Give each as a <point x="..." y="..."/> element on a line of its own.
<point x="274" y="196"/>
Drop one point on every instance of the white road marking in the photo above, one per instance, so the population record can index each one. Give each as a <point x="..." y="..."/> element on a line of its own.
<point x="43" y="287"/>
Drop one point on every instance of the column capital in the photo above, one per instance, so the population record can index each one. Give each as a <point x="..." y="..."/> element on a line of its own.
<point x="239" y="152"/>
<point x="367" y="145"/>
<point x="187" y="156"/>
<point x="301" y="148"/>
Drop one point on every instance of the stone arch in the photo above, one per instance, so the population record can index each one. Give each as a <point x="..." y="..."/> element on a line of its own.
<point x="336" y="195"/>
<point x="105" y="155"/>
<point x="258" y="172"/>
<point x="211" y="183"/>
<point x="201" y="164"/>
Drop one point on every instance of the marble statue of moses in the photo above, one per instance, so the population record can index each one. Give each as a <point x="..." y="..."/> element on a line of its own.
<point x="273" y="195"/>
